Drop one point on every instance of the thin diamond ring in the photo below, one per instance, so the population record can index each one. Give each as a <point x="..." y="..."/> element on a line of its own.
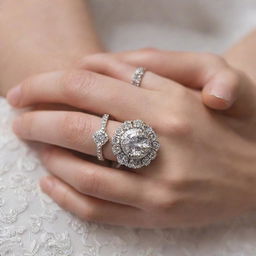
<point x="135" y="144"/>
<point x="138" y="76"/>
<point x="100" y="137"/>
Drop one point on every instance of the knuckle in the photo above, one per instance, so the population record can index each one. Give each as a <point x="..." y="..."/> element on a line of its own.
<point x="90" y="213"/>
<point x="77" y="84"/>
<point x="161" y="198"/>
<point x="230" y="77"/>
<point x="86" y="61"/>
<point x="148" y="54"/>
<point x="214" y="59"/>
<point x="75" y="128"/>
<point x="167" y="204"/>
<point x="177" y="181"/>
<point x="175" y="126"/>
<point x="164" y="203"/>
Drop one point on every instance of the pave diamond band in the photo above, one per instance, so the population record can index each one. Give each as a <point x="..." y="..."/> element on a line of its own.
<point x="138" y="76"/>
<point x="100" y="137"/>
<point x="135" y="144"/>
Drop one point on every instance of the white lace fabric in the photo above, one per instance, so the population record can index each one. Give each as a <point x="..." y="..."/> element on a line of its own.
<point x="32" y="224"/>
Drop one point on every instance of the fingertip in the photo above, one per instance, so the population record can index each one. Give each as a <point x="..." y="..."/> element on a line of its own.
<point x="216" y="103"/>
<point x="14" y="95"/>
<point x="47" y="183"/>
<point x="223" y="90"/>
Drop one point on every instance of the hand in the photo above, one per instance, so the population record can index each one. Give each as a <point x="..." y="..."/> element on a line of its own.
<point x="205" y="169"/>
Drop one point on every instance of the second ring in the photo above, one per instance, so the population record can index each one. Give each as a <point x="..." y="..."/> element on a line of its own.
<point x="100" y="137"/>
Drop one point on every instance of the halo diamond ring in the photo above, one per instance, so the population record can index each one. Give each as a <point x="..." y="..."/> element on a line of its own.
<point x="135" y="144"/>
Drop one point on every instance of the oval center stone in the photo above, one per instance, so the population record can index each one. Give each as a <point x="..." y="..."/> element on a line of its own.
<point x="135" y="143"/>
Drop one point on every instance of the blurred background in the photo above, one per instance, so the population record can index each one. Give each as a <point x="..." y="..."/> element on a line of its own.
<point x="197" y="25"/>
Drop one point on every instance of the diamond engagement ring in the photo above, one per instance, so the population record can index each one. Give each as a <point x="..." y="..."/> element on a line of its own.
<point x="100" y="137"/>
<point x="137" y="76"/>
<point x="135" y="144"/>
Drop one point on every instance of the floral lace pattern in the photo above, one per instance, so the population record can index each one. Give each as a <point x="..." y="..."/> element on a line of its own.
<point x="32" y="224"/>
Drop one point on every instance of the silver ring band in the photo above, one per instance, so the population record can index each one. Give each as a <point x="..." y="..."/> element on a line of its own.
<point x="100" y="137"/>
<point x="138" y="76"/>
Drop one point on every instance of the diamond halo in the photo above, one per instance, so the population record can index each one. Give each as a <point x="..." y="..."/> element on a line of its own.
<point x="135" y="144"/>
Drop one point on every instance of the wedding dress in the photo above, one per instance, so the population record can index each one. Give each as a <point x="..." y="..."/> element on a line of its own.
<point x="32" y="224"/>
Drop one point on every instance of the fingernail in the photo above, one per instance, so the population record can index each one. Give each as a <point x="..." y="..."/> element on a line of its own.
<point x="224" y="93"/>
<point x="14" y="95"/>
<point x="47" y="184"/>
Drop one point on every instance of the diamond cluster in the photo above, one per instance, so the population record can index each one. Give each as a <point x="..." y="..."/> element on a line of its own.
<point x="135" y="144"/>
<point x="138" y="75"/>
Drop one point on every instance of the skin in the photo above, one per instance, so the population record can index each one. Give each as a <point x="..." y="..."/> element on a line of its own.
<point x="216" y="188"/>
<point x="243" y="55"/>
<point x="203" y="173"/>
<point x="39" y="36"/>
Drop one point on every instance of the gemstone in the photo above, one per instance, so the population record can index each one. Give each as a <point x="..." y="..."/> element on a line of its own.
<point x="122" y="159"/>
<point x="146" y="161"/>
<point x="138" y="124"/>
<point x="100" y="137"/>
<point x="156" y="145"/>
<point x="135" y="164"/>
<point x="135" y="143"/>
<point x="127" y="125"/>
<point x="116" y="149"/>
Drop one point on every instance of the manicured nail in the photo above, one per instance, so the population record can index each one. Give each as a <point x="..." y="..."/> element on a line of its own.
<point x="47" y="184"/>
<point x="224" y="93"/>
<point x="13" y="96"/>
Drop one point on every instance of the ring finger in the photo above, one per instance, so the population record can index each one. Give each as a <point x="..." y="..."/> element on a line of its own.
<point x="73" y="130"/>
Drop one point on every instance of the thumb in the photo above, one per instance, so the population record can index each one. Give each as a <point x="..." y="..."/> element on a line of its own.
<point x="230" y="90"/>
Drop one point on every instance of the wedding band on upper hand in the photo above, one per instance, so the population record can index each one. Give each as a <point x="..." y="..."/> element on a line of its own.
<point x="138" y="76"/>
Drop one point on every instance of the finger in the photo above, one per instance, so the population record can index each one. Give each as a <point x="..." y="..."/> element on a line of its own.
<point x="108" y="65"/>
<point x="233" y="91"/>
<point x="91" y="179"/>
<point x="89" y="208"/>
<point x="86" y="90"/>
<point x="187" y="68"/>
<point x="73" y="130"/>
<point x="57" y="107"/>
<point x="222" y="86"/>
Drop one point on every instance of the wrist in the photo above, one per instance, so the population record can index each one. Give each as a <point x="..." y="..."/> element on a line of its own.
<point x="243" y="54"/>
<point x="42" y="36"/>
